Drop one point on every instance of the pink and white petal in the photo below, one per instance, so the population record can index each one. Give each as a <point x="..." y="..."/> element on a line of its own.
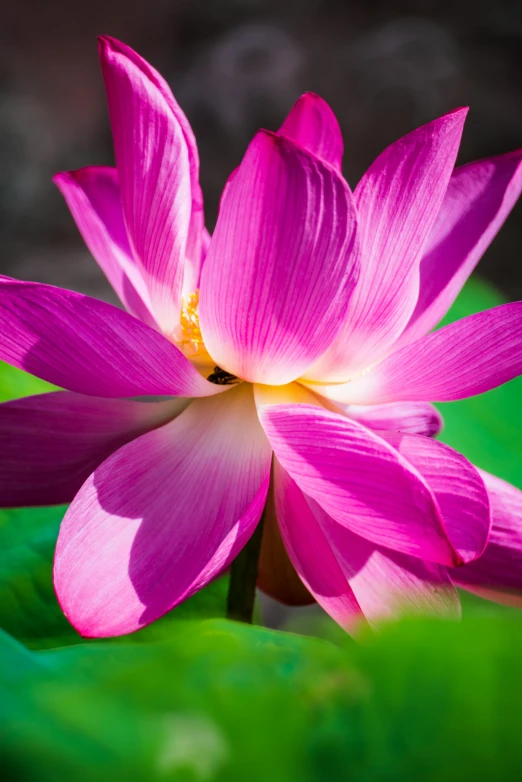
<point x="311" y="554"/>
<point x="194" y="263"/>
<point x="163" y="516"/>
<point x="312" y="124"/>
<point x="460" y="491"/>
<point x="461" y="359"/>
<point x="205" y="244"/>
<point x="397" y="202"/>
<point x="497" y="574"/>
<point x="89" y="346"/>
<point x="478" y="200"/>
<point x="93" y="196"/>
<point x="386" y="583"/>
<point x="354" y="579"/>
<point x="281" y="265"/>
<point x="50" y="444"/>
<point x="413" y="417"/>
<point x="154" y="173"/>
<point x="358" y="478"/>
<point x="196" y="238"/>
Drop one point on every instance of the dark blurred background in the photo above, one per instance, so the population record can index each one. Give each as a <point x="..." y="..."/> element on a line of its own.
<point x="236" y="65"/>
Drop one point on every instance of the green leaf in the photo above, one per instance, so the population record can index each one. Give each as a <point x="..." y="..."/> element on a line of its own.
<point x="487" y="429"/>
<point x="28" y="607"/>
<point x="424" y="701"/>
<point x="177" y="710"/>
<point x="29" y="610"/>
<point x="15" y="383"/>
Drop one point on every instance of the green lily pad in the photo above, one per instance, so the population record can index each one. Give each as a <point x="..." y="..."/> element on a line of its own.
<point x="224" y="702"/>
<point x="15" y="383"/>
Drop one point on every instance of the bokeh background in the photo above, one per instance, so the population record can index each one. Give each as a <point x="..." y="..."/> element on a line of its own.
<point x="235" y="65"/>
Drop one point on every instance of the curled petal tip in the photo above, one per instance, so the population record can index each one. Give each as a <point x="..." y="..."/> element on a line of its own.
<point x="106" y="40"/>
<point x="61" y="176"/>
<point x="459" y="115"/>
<point x="108" y="45"/>
<point x="310" y="96"/>
<point x="103" y="43"/>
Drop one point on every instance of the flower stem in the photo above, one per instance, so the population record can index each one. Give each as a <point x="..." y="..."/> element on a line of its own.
<point x="243" y="577"/>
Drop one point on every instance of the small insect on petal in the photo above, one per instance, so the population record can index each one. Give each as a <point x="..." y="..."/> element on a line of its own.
<point x="222" y="378"/>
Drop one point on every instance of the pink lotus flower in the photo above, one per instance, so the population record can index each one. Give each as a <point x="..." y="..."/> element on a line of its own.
<point x="297" y="336"/>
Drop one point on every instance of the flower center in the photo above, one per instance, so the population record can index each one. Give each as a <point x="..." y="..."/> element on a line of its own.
<point x="189" y="321"/>
<point x="190" y="341"/>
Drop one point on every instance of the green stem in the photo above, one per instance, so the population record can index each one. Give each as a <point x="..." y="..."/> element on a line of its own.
<point x="243" y="577"/>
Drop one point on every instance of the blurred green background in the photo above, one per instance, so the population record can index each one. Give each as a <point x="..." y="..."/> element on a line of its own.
<point x="195" y="697"/>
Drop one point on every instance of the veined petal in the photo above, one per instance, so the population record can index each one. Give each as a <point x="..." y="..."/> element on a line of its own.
<point x="386" y="583"/>
<point x="312" y="124"/>
<point x="479" y="198"/>
<point x="196" y="234"/>
<point x="461" y="359"/>
<point x="497" y="574"/>
<point x="155" y="178"/>
<point x="458" y="487"/>
<point x="352" y="578"/>
<point x="50" y="444"/>
<point x="163" y="516"/>
<point x="276" y="576"/>
<point x="281" y="265"/>
<point x="397" y="201"/>
<point x="311" y="554"/>
<point x="413" y="417"/>
<point x="93" y="196"/>
<point x="357" y="478"/>
<point x="89" y="346"/>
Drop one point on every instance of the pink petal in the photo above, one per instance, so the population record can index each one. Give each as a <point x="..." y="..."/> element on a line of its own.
<point x="351" y="577"/>
<point x="497" y="575"/>
<point x="458" y="487"/>
<point x="462" y="359"/>
<point x="479" y="198"/>
<point x="397" y="202"/>
<point x="387" y="583"/>
<point x="154" y="170"/>
<point x="280" y="267"/>
<point x="196" y="235"/>
<point x="50" y="444"/>
<point x="196" y="238"/>
<point x="412" y="417"/>
<point x="89" y="346"/>
<point x="93" y="196"/>
<point x="312" y="124"/>
<point x="357" y="478"/>
<point x="311" y="554"/>
<point x="163" y="516"/>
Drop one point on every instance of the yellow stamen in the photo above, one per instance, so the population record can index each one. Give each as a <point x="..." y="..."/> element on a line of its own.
<point x="189" y="321"/>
